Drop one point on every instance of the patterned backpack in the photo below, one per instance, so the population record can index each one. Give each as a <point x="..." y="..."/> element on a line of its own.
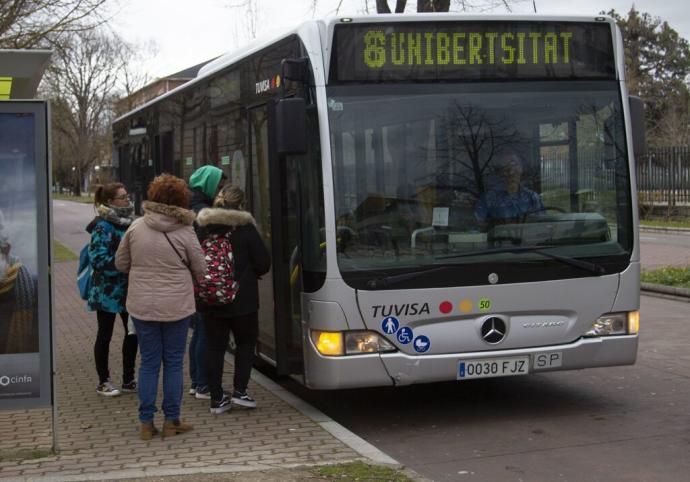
<point x="218" y="286"/>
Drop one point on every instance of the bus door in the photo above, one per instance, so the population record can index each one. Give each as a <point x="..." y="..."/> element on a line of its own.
<point x="277" y="221"/>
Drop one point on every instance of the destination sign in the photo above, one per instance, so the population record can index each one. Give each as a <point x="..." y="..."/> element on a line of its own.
<point x="415" y="51"/>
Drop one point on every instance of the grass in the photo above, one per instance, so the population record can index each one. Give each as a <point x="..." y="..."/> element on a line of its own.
<point x="677" y="277"/>
<point x="68" y="197"/>
<point x="661" y="223"/>
<point x="357" y="471"/>
<point x="24" y="454"/>
<point x="62" y="252"/>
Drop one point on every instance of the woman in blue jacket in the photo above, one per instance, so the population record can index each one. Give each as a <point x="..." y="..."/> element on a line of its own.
<point x="108" y="292"/>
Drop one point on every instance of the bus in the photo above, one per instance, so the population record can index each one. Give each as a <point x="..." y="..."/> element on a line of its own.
<point x="445" y="197"/>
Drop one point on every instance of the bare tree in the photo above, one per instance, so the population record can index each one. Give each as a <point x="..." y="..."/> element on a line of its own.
<point x="382" y="6"/>
<point x="133" y="74"/>
<point x="35" y="23"/>
<point x="248" y="20"/>
<point x="472" y="142"/>
<point x="81" y="84"/>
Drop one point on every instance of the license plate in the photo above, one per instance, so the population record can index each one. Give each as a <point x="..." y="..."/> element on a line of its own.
<point x="493" y="367"/>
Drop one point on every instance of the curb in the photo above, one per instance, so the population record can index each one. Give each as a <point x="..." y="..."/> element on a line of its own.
<point x="352" y="440"/>
<point x="660" y="229"/>
<point x="677" y="293"/>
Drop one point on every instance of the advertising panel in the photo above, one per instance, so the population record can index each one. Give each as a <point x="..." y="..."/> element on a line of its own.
<point x="25" y="340"/>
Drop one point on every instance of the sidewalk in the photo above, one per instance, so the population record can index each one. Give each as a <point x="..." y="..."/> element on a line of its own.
<point x="99" y="438"/>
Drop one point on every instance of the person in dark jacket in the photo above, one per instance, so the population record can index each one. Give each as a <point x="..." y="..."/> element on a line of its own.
<point x="251" y="260"/>
<point x="108" y="292"/>
<point x="205" y="183"/>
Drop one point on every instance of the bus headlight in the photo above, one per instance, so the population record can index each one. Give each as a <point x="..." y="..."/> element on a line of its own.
<point x="627" y="323"/>
<point x="336" y="343"/>
<point x="329" y="343"/>
<point x="365" y="342"/>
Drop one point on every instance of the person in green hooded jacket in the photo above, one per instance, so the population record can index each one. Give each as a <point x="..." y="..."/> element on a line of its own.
<point x="205" y="183"/>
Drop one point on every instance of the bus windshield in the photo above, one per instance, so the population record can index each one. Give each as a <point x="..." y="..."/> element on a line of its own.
<point x="455" y="175"/>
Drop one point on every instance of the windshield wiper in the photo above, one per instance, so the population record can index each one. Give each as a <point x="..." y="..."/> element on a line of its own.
<point x="384" y="282"/>
<point x="378" y="283"/>
<point x="595" y="269"/>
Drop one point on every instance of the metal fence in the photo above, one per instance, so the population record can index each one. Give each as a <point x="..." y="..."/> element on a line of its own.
<point x="663" y="177"/>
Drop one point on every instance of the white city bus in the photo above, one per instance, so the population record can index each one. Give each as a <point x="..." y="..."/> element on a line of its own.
<point x="445" y="197"/>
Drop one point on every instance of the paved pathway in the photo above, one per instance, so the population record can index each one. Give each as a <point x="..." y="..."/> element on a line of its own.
<point x="98" y="436"/>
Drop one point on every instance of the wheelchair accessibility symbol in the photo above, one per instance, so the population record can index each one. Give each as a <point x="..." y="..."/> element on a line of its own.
<point x="405" y="335"/>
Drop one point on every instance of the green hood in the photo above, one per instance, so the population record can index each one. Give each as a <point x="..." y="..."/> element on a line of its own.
<point x="207" y="179"/>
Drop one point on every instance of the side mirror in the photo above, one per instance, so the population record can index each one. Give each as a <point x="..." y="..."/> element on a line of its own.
<point x="291" y="126"/>
<point x="637" y="121"/>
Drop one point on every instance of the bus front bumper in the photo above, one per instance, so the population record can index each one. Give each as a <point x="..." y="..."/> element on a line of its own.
<point x="329" y="373"/>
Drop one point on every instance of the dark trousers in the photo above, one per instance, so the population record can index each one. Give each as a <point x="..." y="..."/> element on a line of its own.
<point x="197" y="352"/>
<point x="245" y="329"/>
<point x="101" y="349"/>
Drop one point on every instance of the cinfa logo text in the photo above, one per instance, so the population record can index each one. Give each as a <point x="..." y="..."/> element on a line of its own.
<point x="14" y="379"/>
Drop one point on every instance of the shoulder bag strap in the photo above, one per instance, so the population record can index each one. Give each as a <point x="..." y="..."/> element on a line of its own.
<point x="176" y="251"/>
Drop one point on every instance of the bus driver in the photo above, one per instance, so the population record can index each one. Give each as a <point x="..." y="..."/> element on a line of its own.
<point x="510" y="201"/>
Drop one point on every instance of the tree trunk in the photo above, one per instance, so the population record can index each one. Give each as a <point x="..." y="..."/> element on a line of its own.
<point x="422" y="6"/>
<point x="433" y="5"/>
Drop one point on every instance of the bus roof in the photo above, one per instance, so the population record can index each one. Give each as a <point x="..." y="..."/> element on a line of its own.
<point x="244" y="51"/>
<point x="222" y="62"/>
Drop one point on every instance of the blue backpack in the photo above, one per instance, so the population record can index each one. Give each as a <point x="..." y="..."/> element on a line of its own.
<point x="84" y="273"/>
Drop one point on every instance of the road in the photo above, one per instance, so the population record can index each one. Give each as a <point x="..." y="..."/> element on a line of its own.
<point x="660" y="249"/>
<point x="608" y="424"/>
<point x="69" y="220"/>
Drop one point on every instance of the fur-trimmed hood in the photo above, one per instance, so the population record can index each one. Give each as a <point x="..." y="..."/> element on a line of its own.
<point x="166" y="218"/>
<point x="229" y="217"/>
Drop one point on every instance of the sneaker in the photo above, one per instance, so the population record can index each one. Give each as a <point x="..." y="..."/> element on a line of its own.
<point x="192" y="390"/>
<point x="243" y="399"/>
<point x="130" y="387"/>
<point x="202" y="393"/>
<point x="107" y="389"/>
<point x="218" y="407"/>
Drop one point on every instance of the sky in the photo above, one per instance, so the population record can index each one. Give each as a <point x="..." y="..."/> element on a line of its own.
<point x="176" y="34"/>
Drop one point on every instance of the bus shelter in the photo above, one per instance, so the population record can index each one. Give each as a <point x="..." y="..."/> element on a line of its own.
<point x="26" y="355"/>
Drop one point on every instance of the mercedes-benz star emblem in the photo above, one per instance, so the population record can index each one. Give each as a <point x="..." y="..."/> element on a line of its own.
<point x="493" y="330"/>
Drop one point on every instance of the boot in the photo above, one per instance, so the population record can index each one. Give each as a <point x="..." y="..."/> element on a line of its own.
<point x="174" y="427"/>
<point x="147" y="431"/>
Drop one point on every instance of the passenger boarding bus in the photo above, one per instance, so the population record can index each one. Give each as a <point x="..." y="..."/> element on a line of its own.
<point x="445" y="197"/>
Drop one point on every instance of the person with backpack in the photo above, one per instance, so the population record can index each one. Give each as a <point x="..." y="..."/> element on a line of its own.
<point x="228" y="296"/>
<point x="161" y="253"/>
<point x="205" y="183"/>
<point x="107" y="290"/>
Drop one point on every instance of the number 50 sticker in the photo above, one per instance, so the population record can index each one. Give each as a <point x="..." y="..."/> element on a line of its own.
<point x="484" y="304"/>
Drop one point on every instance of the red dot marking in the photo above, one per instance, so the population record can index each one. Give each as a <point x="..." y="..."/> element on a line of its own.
<point x="446" y="307"/>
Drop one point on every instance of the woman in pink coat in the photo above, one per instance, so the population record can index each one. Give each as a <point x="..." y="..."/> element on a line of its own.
<point x="161" y="253"/>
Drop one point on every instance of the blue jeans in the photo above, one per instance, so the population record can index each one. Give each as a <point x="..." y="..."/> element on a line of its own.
<point x="161" y="341"/>
<point x="197" y="352"/>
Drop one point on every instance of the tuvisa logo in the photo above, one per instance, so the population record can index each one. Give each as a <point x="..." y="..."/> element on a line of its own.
<point x="407" y="309"/>
<point x="267" y="84"/>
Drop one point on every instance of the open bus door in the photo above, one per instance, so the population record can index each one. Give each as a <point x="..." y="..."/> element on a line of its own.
<point x="273" y="205"/>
